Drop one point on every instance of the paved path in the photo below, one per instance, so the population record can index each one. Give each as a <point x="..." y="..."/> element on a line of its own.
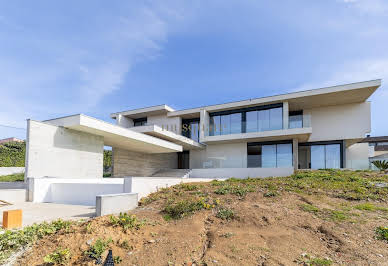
<point x="40" y="212"/>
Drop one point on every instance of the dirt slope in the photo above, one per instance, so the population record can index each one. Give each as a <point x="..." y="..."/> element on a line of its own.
<point x="270" y="226"/>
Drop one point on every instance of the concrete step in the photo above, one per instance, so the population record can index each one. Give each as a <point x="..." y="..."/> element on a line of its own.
<point x="182" y="173"/>
<point x="13" y="195"/>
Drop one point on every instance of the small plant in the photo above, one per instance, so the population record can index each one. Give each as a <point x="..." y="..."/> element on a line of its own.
<point x="381" y="165"/>
<point x="58" y="257"/>
<point x="89" y="229"/>
<point x="181" y="209"/>
<point x="125" y="245"/>
<point x="126" y="221"/>
<point x="227" y="235"/>
<point x="382" y="233"/>
<point x="320" y="262"/>
<point x="270" y="194"/>
<point x="309" y="208"/>
<point x="225" y="214"/>
<point x="117" y="259"/>
<point x="188" y="187"/>
<point x="95" y="251"/>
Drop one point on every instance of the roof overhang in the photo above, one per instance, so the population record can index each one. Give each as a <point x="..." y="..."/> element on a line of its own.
<point x="116" y="136"/>
<point x="147" y="111"/>
<point x="156" y="131"/>
<point x="336" y="95"/>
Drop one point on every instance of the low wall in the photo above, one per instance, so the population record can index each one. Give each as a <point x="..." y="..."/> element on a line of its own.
<point x="13" y="195"/>
<point x="11" y="170"/>
<point x="13" y="185"/>
<point x="72" y="191"/>
<point x="147" y="185"/>
<point x="240" y="172"/>
<point x="115" y="203"/>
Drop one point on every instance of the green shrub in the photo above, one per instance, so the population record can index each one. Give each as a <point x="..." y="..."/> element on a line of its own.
<point x="225" y="214"/>
<point x="58" y="257"/>
<point x="126" y="221"/>
<point x="381" y="165"/>
<point x="12" y="178"/>
<point x="382" y="233"/>
<point x="95" y="251"/>
<point x="180" y="209"/>
<point x="12" y="154"/>
<point x="13" y="240"/>
<point x="117" y="259"/>
<point x="188" y="187"/>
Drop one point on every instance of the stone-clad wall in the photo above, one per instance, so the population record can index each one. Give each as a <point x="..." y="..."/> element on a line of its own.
<point x="129" y="163"/>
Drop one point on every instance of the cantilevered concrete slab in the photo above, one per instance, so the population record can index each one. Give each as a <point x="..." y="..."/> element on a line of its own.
<point x="141" y="112"/>
<point x="161" y="133"/>
<point x="329" y="96"/>
<point x="302" y="134"/>
<point x="116" y="136"/>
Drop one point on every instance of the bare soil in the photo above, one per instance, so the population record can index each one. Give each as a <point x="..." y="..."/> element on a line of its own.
<point x="266" y="231"/>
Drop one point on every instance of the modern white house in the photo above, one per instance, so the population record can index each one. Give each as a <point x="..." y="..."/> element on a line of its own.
<point x="269" y="136"/>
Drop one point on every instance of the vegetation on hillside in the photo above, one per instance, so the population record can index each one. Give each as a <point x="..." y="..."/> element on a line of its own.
<point x="310" y="218"/>
<point x="12" y="178"/>
<point x="12" y="154"/>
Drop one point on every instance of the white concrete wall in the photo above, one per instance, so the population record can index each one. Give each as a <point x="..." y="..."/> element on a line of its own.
<point x="72" y="190"/>
<point x="147" y="185"/>
<point x="241" y="172"/>
<point x="230" y="155"/>
<point x="60" y="152"/>
<point x="11" y="170"/>
<point x="173" y="124"/>
<point x="357" y="156"/>
<point x="350" y="121"/>
<point x="115" y="203"/>
<point x="13" y="195"/>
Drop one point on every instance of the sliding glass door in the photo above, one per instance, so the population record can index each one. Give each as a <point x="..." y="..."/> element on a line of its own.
<point x="270" y="155"/>
<point x="320" y="156"/>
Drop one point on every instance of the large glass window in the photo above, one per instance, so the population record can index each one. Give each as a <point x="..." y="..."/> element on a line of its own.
<point x="295" y="119"/>
<point x="319" y="156"/>
<point x="264" y="120"/>
<point x="190" y="128"/>
<point x="270" y="155"/>
<point x="235" y="123"/>
<point x="225" y="125"/>
<point x="140" y="122"/>
<point x="253" y="119"/>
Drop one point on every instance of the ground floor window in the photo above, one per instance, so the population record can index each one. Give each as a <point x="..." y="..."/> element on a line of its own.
<point x="270" y="154"/>
<point x="320" y="155"/>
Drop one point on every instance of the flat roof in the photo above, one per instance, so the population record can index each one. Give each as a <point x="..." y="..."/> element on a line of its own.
<point x="116" y="136"/>
<point x="334" y="95"/>
<point x="141" y="112"/>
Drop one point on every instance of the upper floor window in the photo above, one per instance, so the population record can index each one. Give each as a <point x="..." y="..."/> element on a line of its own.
<point x="140" y="122"/>
<point x="190" y="128"/>
<point x="252" y="119"/>
<point x="295" y="119"/>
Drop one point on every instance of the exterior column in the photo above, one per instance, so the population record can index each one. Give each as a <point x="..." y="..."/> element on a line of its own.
<point x="285" y="115"/>
<point x="295" y="158"/>
<point x="203" y="124"/>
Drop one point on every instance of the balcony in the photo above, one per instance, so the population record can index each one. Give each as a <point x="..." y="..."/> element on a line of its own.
<point x="259" y="130"/>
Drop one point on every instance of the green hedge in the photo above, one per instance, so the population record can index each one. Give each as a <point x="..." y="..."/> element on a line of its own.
<point x="12" y="154"/>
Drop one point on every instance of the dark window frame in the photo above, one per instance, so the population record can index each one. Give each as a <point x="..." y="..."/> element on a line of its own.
<point x="244" y="111"/>
<point x="272" y="143"/>
<point x="330" y="142"/>
<point x="137" y="122"/>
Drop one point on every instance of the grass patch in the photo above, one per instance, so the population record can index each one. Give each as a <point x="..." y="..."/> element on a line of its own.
<point x="225" y="214"/>
<point x="370" y="207"/>
<point x="382" y="233"/>
<point x="319" y="262"/>
<point x="238" y="190"/>
<point x="309" y="208"/>
<point x="126" y="221"/>
<point x="58" y="257"/>
<point x="188" y="187"/>
<point x="11" y="241"/>
<point x="12" y="178"/>
<point x="182" y="208"/>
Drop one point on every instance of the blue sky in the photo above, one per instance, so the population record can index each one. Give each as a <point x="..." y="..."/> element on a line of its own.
<point x="98" y="57"/>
